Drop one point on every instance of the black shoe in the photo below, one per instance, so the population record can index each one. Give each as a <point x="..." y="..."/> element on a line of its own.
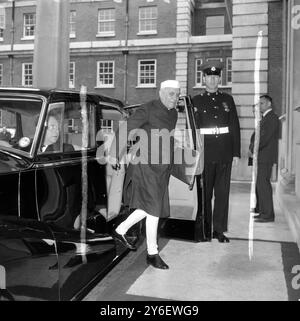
<point x="264" y="220"/>
<point x="124" y="240"/>
<point x="156" y="261"/>
<point x="221" y="237"/>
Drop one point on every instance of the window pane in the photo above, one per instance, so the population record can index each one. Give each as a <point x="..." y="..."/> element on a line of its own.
<point x="73" y="23"/>
<point x="147" y="72"/>
<point x="29" y="24"/>
<point x="105" y="73"/>
<point x="215" y="25"/>
<point x="148" y="19"/>
<point x="106" y="20"/>
<point x="199" y="73"/>
<point x="72" y="75"/>
<point x="229" y="70"/>
<point x="27" y="77"/>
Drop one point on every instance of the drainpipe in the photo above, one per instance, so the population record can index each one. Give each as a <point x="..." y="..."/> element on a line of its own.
<point x="12" y="40"/>
<point x="228" y="13"/>
<point x="125" y="53"/>
<point x="290" y="85"/>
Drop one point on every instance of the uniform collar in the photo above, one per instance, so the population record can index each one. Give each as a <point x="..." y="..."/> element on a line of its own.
<point x="212" y="94"/>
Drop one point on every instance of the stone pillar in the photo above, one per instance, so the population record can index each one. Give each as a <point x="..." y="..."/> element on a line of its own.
<point x="183" y="32"/>
<point x="249" y="18"/>
<point x="51" y="44"/>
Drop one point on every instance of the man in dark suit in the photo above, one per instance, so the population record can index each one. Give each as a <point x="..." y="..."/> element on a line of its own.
<point x="51" y="140"/>
<point x="217" y="119"/>
<point x="267" y="156"/>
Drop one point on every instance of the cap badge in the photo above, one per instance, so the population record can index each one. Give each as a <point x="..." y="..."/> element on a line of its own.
<point x="213" y="68"/>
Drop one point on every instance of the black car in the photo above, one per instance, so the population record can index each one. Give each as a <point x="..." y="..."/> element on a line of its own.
<point x="59" y="199"/>
<point x="48" y="153"/>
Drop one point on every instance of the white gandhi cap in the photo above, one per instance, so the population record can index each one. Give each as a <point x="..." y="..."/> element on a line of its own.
<point x="170" y="84"/>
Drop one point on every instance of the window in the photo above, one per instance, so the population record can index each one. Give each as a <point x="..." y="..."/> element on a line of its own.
<point x="106" y="125"/>
<point x="147" y="73"/>
<point x="29" y="25"/>
<point x="2" y="22"/>
<point x="148" y="20"/>
<point x="1" y="74"/>
<point x="228" y="70"/>
<point x="72" y="75"/>
<point x="105" y="74"/>
<point x="215" y="25"/>
<point x="106" y="22"/>
<point x="65" y="118"/>
<point x="27" y="76"/>
<point x="72" y="24"/>
<point x="199" y="73"/>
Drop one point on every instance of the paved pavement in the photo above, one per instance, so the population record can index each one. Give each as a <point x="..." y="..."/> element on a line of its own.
<point x="262" y="268"/>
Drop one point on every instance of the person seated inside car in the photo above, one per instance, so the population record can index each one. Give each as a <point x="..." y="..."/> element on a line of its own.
<point x="5" y="135"/>
<point x="51" y="141"/>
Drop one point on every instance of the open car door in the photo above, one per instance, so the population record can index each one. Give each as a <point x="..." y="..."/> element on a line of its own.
<point x="186" y="197"/>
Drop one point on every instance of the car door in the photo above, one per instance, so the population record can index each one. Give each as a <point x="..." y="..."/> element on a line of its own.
<point x="70" y="184"/>
<point x="183" y="198"/>
<point x="28" y="259"/>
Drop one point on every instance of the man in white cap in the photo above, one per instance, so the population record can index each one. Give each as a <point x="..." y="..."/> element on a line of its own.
<point x="146" y="183"/>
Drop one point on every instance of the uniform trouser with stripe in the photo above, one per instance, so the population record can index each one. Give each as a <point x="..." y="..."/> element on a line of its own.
<point x="216" y="183"/>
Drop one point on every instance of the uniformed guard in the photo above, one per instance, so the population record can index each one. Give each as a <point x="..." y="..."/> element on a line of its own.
<point x="217" y="119"/>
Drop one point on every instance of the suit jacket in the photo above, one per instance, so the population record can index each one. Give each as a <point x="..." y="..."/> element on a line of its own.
<point x="218" y="110"/>
<point x="268" y="141"/>
<point x="55" y="147"/>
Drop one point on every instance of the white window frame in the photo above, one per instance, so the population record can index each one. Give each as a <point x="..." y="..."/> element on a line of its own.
<point x="72" y="74"/>
<point x="147" y="85"/>
<point x="198" y="63"/>
<point x="214" y="28"/>
<point x="26" y="74"/>
<point x="150" y="20"/>
<point x="1" y="74"/>
<point x="112" y="73"/>
<point x="106" y="125"/>
<point x="228" y="70"/>
<point x="2" y="23"/>
<point x="73" y="23"/>
<point x="106" y="22"/>
<point x="31" y="23"/>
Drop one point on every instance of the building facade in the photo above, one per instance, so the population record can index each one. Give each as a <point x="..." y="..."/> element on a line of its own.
<point x="125" y="48"/>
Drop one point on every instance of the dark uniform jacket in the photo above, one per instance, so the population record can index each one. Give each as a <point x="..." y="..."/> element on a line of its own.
<point x="268" y="141"/>
<point x="146" y="183"/>
<point x="218" y="110"/>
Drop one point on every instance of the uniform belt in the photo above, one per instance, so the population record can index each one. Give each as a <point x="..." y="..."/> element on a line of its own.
<point x="214" y="130"/>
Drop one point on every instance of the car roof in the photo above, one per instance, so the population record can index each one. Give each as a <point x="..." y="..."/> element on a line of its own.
<point x="55" y="94"/>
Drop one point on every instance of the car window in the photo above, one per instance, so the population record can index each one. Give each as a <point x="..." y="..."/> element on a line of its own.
<point x="18" y="122"/>
<point x="65" y="130"/>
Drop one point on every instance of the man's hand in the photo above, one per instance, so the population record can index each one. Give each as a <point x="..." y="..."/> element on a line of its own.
<point x="235" y="161"/>
<point x="114" y="162"/>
